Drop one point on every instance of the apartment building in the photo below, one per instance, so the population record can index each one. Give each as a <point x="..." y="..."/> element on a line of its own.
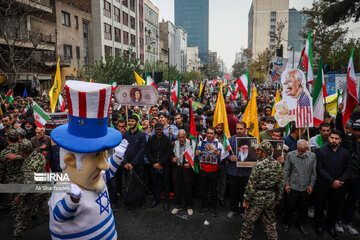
<point x="151" y="31"/>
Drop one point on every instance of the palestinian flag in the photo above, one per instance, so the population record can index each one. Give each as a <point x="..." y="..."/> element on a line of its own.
<point x="307" y="60"/>
<point x="175" y="92"/>
<point x="149" y="81"/>
<point x="41" y="117"/>
<point x="26" y="108"/>
<point x="193" y="136"/>
<point x="244" y="85"/>
<point x="318" y="96"/>
<point x="350" y="98"/>
<point x="9" y="96"/>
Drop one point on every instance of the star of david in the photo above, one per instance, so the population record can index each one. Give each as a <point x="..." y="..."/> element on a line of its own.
<point x="102" y="207"/>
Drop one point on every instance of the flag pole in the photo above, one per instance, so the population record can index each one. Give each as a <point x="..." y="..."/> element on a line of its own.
<point x="127" y="115"/>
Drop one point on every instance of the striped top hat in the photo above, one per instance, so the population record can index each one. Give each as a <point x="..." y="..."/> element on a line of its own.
<point x="87" y="130"/>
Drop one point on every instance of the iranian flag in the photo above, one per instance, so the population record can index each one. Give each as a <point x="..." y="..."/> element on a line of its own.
<point x="190" y="156"/>
<point x="229" y="93"/>
<point x="193" y="136"/>
<point x="318" y="97"/>
<point x="9" y="96"/>
<point x="175" y="93"/>
<point x="61" y="103"/>
<point x="307" y="60"/>
<point x="41" y="117"/>
<point x="149" y="81"/>
<point x="350" y="94"/>
<point x="26" y="108"/>
<point x="244" y="85"/>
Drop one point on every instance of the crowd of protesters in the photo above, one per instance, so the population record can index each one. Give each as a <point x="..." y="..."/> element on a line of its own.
<point x="324" y="177"/>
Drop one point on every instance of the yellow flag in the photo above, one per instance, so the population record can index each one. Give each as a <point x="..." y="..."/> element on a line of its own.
<point x="331" y="104"/>
<point x="139" y="80"/>
<point x="277" y="99"/>
<point x="55" y="90"/>
<point x="201" y="88"/>
<point x="220" y="113"/>
<point x="250" y="116"/>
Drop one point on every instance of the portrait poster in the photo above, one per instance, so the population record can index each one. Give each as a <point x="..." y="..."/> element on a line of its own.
<point x="278" y="147"/>
<point x="134" y="95"/>
<point x="276" y="68"/>
<point x="246" y="151"/>
<point x="207" y="155"/>
<point x="296" y="102"/>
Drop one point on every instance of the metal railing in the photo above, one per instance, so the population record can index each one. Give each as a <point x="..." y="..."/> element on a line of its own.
<point x="28" y="36"/>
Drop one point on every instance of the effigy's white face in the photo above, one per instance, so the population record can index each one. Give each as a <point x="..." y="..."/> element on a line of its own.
<point x="89" y="176"/>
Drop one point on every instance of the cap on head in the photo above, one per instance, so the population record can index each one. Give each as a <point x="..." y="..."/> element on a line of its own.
<point x="355" y="125"/>
<point x="134" y="117"/>
<point x="12" y="135"/>
<point x="267" y="147"/>
<point x="25" y="146"/>
<point x="158" y="126"/>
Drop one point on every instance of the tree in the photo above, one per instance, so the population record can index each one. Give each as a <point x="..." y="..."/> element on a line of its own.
<point x="324" y="38"/>
<point x="211" y="71"/>
<point x="259" y="67"/>
<point x="112" y="68"/>
<point x="188" y="76"/>
<point x="340" y="54"/>
<point x="238" y="69"/>
<point x="338" y="11"/>
<point x="162" y="67"/>
<point x="18" y="45"/>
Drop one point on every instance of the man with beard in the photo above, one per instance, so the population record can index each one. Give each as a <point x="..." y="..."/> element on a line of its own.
<point x="238" y="176"/>
<point x="332" y="168"/>
<point x="6" y="122"/>
<point x="179" y="123"/>
<point x="41" y="142"/>
<point x="321" y="139"/>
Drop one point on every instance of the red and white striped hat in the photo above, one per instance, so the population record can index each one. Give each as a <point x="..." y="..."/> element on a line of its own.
<point x="87" y="130"/>
<point x="88" y="100"/>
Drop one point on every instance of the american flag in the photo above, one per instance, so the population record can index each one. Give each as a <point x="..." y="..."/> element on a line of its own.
<point x="304" y="117"/>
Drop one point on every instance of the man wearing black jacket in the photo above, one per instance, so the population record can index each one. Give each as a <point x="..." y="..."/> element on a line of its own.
<point x="332" y="170"/>
<point x="159" y="151"/>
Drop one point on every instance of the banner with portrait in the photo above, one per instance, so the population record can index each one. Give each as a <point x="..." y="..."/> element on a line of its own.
<point x="276" y="68"/>
<point x="278" y="147"/>
<point x="207" y="155"/>
<point x="296" y="102"/>
<point x="246" y="151"/>
<point x="134" y="95"/>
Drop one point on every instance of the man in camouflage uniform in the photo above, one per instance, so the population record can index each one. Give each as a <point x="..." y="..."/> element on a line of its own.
<point x="263" y="192"/>
<point x="10" y="170"/>
<point x="28" y="203"/>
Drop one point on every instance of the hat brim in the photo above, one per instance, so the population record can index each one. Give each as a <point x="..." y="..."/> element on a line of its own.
<point x="64" y="139"/>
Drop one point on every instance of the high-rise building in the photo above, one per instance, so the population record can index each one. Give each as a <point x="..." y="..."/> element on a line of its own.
<point x="180" y="49"/>
<point x="262" y="20"/>
<point x="193" y="16"/>
<point x="151" y="16"/>
<point x="119" y="28"/>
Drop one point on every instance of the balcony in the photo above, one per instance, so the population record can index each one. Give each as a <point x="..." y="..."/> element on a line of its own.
<point x="28" y="39"/>
<point x="49" y="59"/>
<point x="38" y="5"/>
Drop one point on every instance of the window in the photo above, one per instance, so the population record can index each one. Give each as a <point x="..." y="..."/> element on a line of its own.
<point x="85" y="34"/>
<point x="125" y="3"/>
<point x="65" y="18"/>
<point x="132" y="22"/>
<point x="108" y="51"/>
<point x="116" y="14"/>
<point x="141" y="10"/>
<point x="107" y="9"/>
<point x="76" y="22"/>
<point x="141" y="25"/>
<point x="107" y="31"/>
<point x="67" y="51"/>
<point x="117" y="34"/>
<point x="132" y="5"/>
<point x="117" y="51"/>
<point x="126" y="37"/>
<point x="132" y="40"/>
<point x="125" y="19"/>
<point x="77" y="52"/>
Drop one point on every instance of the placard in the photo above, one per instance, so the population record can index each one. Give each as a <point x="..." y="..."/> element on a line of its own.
<point x="207" y="155"/>
<point x="246" y="151"/>
<point x="133" y="95"/>
<point x="278" y="147"/>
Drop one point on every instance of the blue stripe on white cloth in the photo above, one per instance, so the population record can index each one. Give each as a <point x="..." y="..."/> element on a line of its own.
<point x="106" y="231"/>
<point x="66" y="207"/>
<point x="86" y="232"/>
<point x="113" y="162"/>
<point x="58" y="214"/>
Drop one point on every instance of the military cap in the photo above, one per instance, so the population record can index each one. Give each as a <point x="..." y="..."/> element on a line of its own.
<point x="21" y="132"/>
<point x="25" y="146"/>
<point x="12" y="134"/>
<point x="266" y="147"/>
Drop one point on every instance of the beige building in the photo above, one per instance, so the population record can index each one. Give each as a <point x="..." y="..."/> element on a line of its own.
<point x="193" y="60"/>
<point x="262" y="19"/>
<point x="151" y="23"/>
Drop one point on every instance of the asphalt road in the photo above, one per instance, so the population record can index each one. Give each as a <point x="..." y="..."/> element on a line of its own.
<point x="157" y="224"/>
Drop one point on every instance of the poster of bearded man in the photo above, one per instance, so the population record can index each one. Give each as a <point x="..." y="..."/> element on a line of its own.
<point x="296" y="103"/>
<point x="246" y="151"/>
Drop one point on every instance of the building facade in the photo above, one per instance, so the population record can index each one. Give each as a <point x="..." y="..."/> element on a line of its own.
<point x="262" y="19"/>
<point x="119" y="28"/>
<point x="181" y="49"/>
<point x="193" y="17"/>
<point x="167" y="40"/>
<point x="193" y="60"/>
<point x="151" y="23"/>
<point x="212" y="57"/>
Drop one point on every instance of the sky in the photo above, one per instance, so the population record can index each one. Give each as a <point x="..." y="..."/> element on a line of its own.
<point x="228" y="24"/>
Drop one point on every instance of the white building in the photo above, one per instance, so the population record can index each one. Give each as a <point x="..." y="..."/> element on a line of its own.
<point x="193" y="60"/>
<point x="151" y="16"/>
<point x="180" y="49"/>
<point x="118" y="27"/>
